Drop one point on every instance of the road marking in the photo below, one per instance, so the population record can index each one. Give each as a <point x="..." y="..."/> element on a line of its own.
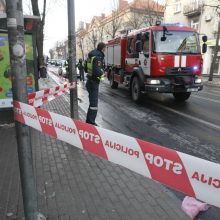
<point x="216" y="93"/>
<point x="204" y="98"/>
<point x="7" y="125"/>
<point x="189" y="116"/>
<point x="209" y="93"/>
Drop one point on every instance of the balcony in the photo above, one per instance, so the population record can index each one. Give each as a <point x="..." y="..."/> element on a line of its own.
<point x="193" y="9"/>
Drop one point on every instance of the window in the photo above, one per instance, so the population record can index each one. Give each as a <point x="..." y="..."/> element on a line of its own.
<point x="146" y="42"/>
<point x="177" y="42"/>
<point x="177" y="7"/>
<point x="195" y="24"/>
<point x="131" y="45"/>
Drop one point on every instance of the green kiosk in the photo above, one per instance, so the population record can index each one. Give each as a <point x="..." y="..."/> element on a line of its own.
<point x="31" y="60"/>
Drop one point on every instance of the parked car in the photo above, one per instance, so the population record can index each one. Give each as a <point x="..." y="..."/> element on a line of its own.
<point x="52" y="62"/>
<point x="58" y="62"/>
<point x="62" y="70"/>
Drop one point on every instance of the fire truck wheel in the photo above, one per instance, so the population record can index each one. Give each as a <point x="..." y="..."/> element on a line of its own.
<point x="136" y="90"/>
<point x="181" y="96"/>
<point x="113" y="84"/>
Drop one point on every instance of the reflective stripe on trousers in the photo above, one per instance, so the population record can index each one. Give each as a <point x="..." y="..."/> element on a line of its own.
<point x="93" y="108"/>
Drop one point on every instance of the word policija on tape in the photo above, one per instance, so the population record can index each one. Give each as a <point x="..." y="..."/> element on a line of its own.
<point x="191" y="175"/>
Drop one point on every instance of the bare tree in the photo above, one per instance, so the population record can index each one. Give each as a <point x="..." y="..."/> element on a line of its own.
<point x="51" y="51"/>
<point x="153" y="11"/>
<point x="80" y="45"/>
<point x="40" y="26"/>
<point x="40" y="30"/>
<point x="93" y="37"/>
<point x="2" y="6"/>
<point x="143" y="13"/>
<point x="100" y="30"/>
<point x="115" y="22"/>
<point x="216" y="49"/>
<point x="135" y="20"/>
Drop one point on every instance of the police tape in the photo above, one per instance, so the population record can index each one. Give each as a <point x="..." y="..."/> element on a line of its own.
<point x="39" y="98"/>
<point x="191" y="175"/>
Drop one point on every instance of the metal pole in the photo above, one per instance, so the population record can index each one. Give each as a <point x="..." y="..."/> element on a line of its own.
<point x="216" y="49"/>
<point x="15" y="23"/>
<point x="72" y="58"/>
<point x="36" y="72"/>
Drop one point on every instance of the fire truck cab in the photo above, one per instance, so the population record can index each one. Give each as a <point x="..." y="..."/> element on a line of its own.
<point x="163" y="59"/>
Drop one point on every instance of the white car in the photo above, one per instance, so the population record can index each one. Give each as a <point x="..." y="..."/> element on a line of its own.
<point x="63" y="72"/>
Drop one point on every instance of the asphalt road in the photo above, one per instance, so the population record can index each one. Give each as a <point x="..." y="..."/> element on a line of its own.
<point x="192" y="127"/>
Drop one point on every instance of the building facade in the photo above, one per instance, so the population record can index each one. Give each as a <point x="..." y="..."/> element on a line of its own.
<point x="200" y="15"/>
<point x="126" y="16"/>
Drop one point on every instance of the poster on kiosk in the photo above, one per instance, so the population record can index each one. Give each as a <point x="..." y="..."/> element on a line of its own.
<point x="5" y="73"/>
<point x="5" y="69"/>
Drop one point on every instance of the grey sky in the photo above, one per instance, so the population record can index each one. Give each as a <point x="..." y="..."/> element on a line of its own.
<point x="56" y="26"/>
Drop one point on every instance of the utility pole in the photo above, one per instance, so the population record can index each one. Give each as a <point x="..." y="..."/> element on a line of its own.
<point x="15" y="23"/>
<point x="216" y="50"/>
<point x="72" y="59"/>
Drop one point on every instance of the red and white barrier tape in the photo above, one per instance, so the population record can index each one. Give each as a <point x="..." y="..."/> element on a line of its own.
<point x="39" y="98"/>
<point x="191" y="175"/>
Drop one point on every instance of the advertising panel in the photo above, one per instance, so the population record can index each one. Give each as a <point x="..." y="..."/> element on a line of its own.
<point x="5" y="73"/>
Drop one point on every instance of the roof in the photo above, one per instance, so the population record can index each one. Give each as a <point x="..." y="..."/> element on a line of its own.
<point x="160" y="28"/>
<point x="147" y="4"/>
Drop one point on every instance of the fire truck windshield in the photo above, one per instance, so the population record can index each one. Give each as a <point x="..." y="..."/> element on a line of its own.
<point x="176" y="42"/>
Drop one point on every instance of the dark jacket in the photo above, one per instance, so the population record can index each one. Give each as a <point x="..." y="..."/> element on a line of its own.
<point x="98" y="62"/>
<point x="80" y="65"/>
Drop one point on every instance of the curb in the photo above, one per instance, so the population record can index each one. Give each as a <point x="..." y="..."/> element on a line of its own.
<point x="211" y="84"/>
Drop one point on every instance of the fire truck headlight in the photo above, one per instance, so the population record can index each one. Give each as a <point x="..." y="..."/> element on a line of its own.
<point x="195" y="68"/>
<point x="153" y="81"/>
<point x="198" y="80"/>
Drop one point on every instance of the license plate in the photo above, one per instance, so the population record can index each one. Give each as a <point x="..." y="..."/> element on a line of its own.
<point x="192" y="90"/>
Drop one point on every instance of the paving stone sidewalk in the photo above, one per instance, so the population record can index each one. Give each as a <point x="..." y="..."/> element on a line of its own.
<point x="73" y="184"/>
<point x="214" y="83"/>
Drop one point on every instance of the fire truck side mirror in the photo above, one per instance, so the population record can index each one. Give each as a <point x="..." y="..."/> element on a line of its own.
<point x="204" y="38"/>
<point x="138" y="46"/>
<point x="204" y="48"/>
<point x="163" y="38"/>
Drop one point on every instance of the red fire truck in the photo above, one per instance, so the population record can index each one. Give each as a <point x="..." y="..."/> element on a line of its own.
<point x="163" y="58"/>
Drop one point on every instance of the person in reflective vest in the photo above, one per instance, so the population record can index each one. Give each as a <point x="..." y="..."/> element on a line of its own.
<point x="94" y="67"/>
<point x="81" y="69"/>
<point x="66" y="65"/>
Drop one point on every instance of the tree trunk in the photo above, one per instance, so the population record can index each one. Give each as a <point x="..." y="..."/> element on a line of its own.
<point x="40" y="36"/>
<point x="2" y="2"/>
<point x="216" y="49"/>
<point x="81" y="47"/>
